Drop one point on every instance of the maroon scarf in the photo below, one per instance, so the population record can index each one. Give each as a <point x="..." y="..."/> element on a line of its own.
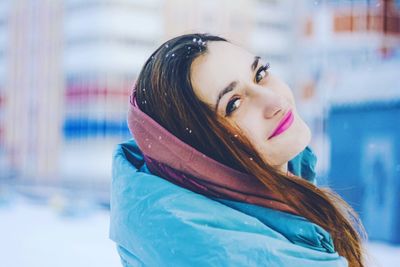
<point x="172" y="159"/>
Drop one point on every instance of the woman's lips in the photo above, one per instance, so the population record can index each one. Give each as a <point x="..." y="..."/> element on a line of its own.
<point x="284" y="124"/>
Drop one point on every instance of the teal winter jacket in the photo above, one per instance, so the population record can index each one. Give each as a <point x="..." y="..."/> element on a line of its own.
<point x="157" y="223"/>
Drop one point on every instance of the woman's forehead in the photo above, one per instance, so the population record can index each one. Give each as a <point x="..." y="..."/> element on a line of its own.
<point x="222" y="64"/>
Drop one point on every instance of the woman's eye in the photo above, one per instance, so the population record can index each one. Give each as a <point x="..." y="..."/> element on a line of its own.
<point x="232" y="106"/>
<point x="262" y="72"/>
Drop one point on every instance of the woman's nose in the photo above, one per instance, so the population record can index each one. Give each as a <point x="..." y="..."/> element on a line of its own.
<point x="269" y="101"/>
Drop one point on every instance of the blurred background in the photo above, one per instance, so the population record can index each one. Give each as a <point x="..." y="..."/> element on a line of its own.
<point x="67" y="69"/>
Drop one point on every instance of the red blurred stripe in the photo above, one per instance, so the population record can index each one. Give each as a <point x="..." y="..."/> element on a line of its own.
<point x="86" y="93"/>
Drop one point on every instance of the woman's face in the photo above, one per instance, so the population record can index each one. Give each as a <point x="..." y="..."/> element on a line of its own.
<point x="237" y="86"/>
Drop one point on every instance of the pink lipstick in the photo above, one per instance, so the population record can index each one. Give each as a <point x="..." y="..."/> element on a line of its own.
<point x="284" y="124"/>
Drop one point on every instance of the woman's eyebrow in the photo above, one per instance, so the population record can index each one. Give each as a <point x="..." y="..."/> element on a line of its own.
<point x="233" y="84"/>
<point x="255" y="63"/>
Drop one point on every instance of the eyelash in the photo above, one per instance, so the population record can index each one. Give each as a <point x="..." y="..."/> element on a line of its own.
<point x="230" y="104"/>
<point x="262" y="68"/>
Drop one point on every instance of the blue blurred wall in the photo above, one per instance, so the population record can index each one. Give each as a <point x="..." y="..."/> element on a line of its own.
<point x="365" y="163"/>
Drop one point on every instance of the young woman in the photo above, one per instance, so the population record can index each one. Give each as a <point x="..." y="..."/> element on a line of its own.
<point x="215" y="173"/>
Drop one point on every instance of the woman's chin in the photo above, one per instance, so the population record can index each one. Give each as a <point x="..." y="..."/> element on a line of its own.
<point x="280" y="149"/>
<point x="292" y="147"/>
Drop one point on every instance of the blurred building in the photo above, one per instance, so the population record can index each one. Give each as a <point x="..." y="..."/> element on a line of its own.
<point x="273" y="35"/>
<point x="66" y="71"/>
<point x="31" y="86"/>
<point x="4" y="160"/>
<point x="106" y="43"/>
<point x="82" y="58"/>
<point x="262" y="26"/>
<point x="341" y="38"/>
<point x="232" y="21"/>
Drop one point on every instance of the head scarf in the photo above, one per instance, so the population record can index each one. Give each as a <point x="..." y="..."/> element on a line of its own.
<point x="170" y="158"/>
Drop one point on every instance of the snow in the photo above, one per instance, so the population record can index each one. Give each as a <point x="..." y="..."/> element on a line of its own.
<point x="43" y="234"/>
<point x="38" y="235"/>
<point x="383" y="255"/>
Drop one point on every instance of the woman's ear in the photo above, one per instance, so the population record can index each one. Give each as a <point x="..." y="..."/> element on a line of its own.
<point x="303" y="165"/>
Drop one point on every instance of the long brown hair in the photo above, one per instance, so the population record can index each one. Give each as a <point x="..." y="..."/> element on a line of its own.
<point x="164" y="92"/>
